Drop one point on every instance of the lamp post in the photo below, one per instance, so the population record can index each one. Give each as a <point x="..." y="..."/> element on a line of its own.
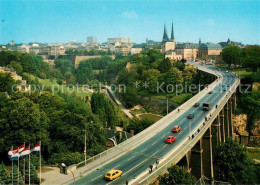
<point x="64" y="166"/>
<point x="85" y="147"/>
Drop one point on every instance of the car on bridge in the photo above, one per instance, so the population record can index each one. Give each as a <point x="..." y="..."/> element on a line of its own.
<point x="176" y="129"/>
<point x="170" y="139"/>
<point x="197" y="104"/>
<point x="190" y="116"/>
<point x="113" y="174"/>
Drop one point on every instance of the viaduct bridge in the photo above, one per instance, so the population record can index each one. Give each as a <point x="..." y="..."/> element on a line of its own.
<point x="194" y="147"/>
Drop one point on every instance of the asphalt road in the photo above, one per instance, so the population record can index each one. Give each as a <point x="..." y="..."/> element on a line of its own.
<point x="138" y="160"/>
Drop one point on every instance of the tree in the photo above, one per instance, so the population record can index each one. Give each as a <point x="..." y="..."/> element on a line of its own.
<point x="130" y="97"/>
<point x="177" y="175"/>
<point x="236" y="168"/>
<point x="231" y="55"/>
<point x="16" y="66"/>
<point x="22" y="121"/>
<point x="165" y="65"/>
<point x="15" y="177"/>
<point x="139" y="125"/>
<point x="84" y="72"/>
<point x="151" y="79"/>
<point x="252" y="58"/>
<point x="64" y="65"/>
<point x="4" y="176"/>
<point x="6" y="83"/>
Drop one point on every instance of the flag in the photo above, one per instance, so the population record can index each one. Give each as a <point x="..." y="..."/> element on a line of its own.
<point x="25" y="153"/>
<point x="10" y="153"/>
<point x="21" y="148"/>
<point x="36" y="148"/>
<point x="16" y="155"/>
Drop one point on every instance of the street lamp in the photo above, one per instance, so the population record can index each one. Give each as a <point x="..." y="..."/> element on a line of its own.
<point x="85" y="147"/>
<point x="64" y="166"/>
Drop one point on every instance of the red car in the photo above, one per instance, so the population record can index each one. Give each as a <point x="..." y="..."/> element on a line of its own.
<point x="176" y="129"/>
<point x="170" y="139"/>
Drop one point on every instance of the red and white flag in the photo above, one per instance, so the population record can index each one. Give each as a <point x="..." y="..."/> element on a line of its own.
<point x="21" y="148"/>
<point x="36" y="148"/>
<point x="25" y="152"/>
<point x="10" y="153"/>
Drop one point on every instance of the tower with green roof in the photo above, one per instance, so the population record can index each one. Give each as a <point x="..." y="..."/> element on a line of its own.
<point x="172" y="34"/>
<point x="165" y="35"/>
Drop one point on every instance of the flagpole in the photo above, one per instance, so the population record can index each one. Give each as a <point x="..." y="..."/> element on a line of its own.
<point x="29" y="166"/>
<point x="24" y="167"/>
<point x="40" y="163"/>
<point x="12" y="168"/>
<point x="18" y="168"/>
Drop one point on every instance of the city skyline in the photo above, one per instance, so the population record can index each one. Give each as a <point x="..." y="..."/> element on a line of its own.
<point x="62" y="21"/>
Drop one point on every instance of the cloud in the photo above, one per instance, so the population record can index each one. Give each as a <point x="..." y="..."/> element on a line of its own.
<point x="130" y="15"/>
<point x="208" y="22"/>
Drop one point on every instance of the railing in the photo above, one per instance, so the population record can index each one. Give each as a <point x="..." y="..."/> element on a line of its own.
<point x="187" y="145"/>
<point x="156" y="127"/>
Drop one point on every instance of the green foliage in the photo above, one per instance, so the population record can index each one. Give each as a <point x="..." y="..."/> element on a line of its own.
<point x="251" y="106"/>
<point x="130" y="97"/>
<point x="105" y="109"/>
<point x="84" y="72"/>
<point x="177" y="175"/>
<point x="16" y="66"/>
<point x="64" y="65"/>
<point x="252" y="58"/>
<point x="236" y="167"/>
<point x="15" y="176"/>
<point x="139" y="125"/>
<point x="231" y="55"/>
<point x="22" y="121"/>
<point x="165" y="65"/>
<point x="7" y="83"/>
<point x="68" y="158"/>
<point x="4" y="176"/>
<point x="34" y="163"/>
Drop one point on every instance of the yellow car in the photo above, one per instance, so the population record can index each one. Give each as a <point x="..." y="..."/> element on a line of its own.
<point x="113" y="174"/>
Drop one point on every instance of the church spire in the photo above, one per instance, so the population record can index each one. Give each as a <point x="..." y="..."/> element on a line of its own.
<point x="165" y="35"/>
<point x="172" y="34"/>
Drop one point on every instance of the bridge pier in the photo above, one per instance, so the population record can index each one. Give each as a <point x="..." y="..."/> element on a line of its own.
<point x="226" y="120"/>
<point x="230" y="118"/>
<point x="222" y="126"/>
<point x="207" y="156"/>
<point x="196" y="162"/>
<point x="234" y="101"/>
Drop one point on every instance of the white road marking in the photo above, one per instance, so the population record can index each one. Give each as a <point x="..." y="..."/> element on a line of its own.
<point x="115" y="166"/>
<point x="156" y="152"/>
<point x="154" y="143"/>
<point x="130" y="158"/>
<point x="96" y="178"/>
<point x="165" y="145"/>
<point x="144" y="149"/>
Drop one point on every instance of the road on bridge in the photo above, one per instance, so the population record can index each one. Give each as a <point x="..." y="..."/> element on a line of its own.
<point x="135" y="162"/>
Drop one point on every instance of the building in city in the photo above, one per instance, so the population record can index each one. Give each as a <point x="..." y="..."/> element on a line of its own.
<point x="228" y="42"/>
<point x="168" y="45"/>
<point x="209" y="49"/>
<point x="92" y="40"/>
<point x="119" y="41"/>
<point x="187" y="50"/>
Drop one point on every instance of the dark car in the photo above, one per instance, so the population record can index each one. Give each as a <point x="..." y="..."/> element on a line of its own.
<point x="197" y="104"/>
<point x="190" y="116"/>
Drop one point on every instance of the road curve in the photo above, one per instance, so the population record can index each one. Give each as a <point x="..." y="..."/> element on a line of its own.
<point x="135" y="162"/>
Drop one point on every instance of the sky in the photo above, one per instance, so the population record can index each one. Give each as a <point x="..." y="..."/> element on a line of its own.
<point x="54" y="21"/>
